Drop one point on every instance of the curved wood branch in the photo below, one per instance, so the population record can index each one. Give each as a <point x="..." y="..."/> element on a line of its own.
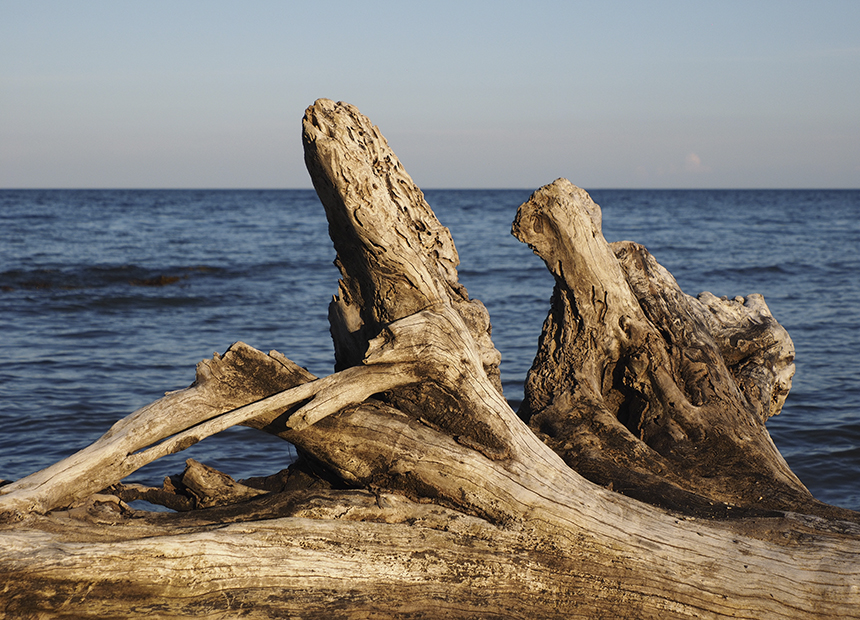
<point x="220" y="386"/>
<point x="209" y="406"/>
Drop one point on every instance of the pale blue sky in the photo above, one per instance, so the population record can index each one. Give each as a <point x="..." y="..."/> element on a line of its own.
<point x="469" y="94"/>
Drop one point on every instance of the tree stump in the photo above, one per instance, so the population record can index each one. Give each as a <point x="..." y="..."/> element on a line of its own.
<point x="638" y="480"/>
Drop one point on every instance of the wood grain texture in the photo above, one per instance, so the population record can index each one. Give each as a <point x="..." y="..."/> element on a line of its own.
<point x="419" y="493"/>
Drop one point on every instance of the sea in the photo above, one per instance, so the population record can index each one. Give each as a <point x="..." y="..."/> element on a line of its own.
<point x="109" y="298"/>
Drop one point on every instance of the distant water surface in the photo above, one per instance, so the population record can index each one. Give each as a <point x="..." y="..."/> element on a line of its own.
<point x="109" y="298"/>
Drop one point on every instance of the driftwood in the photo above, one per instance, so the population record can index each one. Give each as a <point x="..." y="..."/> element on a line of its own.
<point x="637" y="481"/>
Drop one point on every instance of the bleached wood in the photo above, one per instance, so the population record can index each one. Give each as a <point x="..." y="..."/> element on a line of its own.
<point x="648" y="390"/>
<point x="180" y="420"/>
<point x="459" y="509"/>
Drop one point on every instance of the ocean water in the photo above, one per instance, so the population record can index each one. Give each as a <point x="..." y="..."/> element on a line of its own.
<point x="109" y="298"/>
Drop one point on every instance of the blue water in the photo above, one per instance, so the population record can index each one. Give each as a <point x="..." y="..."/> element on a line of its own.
<point x="86" y="336"/>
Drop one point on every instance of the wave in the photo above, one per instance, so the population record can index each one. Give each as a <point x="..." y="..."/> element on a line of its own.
<point x="752" y="270"/>
<point x="95" y="277"/>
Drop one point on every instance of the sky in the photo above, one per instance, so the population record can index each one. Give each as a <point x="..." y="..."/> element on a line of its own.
<point x="469" y="94"/>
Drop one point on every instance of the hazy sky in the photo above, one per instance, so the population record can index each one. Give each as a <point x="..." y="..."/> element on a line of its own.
<point x="469" y="94"/>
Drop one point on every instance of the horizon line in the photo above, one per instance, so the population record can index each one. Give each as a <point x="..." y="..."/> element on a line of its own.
<point x="423" y="189"/>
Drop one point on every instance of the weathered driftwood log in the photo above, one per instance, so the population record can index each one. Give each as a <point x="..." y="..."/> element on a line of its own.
<point x="419" y="492"/>
<point x="645" y="389"/>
